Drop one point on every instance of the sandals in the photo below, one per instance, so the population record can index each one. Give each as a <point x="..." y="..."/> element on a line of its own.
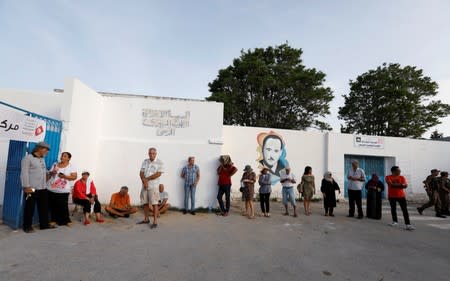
<point x="143" y="222"/>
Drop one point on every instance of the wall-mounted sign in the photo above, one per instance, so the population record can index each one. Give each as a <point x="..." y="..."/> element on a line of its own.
<point x="368" y="141"/>
<point x="15" y="125"/>
<point x="164" y="121"/>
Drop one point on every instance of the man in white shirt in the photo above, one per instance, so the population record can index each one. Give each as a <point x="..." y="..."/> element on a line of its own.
<point x="356" y="179"/>
<point x="288" y="180"/>
<point x="163" y="204"/>
<point x="151" y="171"/>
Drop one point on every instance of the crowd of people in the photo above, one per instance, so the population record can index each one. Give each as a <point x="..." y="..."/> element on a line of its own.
<point x="49" y="190"/>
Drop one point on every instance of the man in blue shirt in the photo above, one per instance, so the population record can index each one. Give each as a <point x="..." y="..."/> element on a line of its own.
<point x="191" y="176"/>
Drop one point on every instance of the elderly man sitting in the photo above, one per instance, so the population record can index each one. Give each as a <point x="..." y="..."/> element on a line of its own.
<point x="163" y="205"/>
<point x="120" y="206"/>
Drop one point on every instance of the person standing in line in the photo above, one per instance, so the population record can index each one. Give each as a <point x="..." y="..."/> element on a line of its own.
<point x="225" y="171"/>
<point x="444" y="190"/>
<point x="265" y="188"/>
<point x="431" y="187"/>
<point x="328" y="189"/>
<point x="308" y="189"/>
<point x="34" y="176"/>
<point x="191" y="176"/>
<point x="374" y="188"/>
<point x="150" y="173"/>
<point x="396" y="185"/>
<point x="249" y="179"/>
<point x="59" y="185"/>
<point x="288" y="180"/>
<point x="356" y="179"/>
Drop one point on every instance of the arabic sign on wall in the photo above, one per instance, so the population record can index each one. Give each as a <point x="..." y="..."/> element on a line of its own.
<point x="15" y="125"/>
<point x="164" y="121"/>
<point x="368" y="141"/>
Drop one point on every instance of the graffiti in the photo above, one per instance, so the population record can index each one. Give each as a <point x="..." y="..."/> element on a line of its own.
<point x="164" y="121"/>
<point x="272" y="153"/>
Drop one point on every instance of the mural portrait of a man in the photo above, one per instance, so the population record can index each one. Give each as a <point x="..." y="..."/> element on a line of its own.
<point x="272" y="152"/>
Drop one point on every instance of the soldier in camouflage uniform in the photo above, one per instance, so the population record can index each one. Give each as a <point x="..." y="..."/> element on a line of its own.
<point x="443" y="190"/>
<point x="431" y="187"/>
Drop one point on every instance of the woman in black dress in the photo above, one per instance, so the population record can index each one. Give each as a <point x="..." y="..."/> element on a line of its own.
<point x="328" y="188"/>
<point x="374" y="188"/>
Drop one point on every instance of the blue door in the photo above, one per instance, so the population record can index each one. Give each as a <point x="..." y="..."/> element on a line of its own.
<point x="370" y="165"/>
<point x="13" y="197"/>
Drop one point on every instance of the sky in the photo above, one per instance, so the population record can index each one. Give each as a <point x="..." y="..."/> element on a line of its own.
<point x="174" y="48"/>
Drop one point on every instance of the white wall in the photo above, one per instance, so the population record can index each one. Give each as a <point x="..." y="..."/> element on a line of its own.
<point x="4" y="147"/>
<point x="124" y="144"/>
<point x="43" y="103"/>
<point x="81" y="115"/>
<point x="415" y="157"/>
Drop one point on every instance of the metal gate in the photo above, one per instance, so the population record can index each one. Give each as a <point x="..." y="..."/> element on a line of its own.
<point x="370" y="165"/>
<point x="13" y="195"/>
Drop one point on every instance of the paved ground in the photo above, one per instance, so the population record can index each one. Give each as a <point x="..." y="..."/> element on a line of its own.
<point x="209" y="247"/>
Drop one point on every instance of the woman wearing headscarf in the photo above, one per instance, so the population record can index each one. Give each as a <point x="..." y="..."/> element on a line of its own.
<point x="374" y="188"/>
<point x="328" y="188"/>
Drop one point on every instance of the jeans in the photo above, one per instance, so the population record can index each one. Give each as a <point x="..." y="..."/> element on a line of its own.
<point x="39" y="198"/>
<point x="402" y="202"/>
<point x="264" y="200"/>
<point x="224" y="189"/>
<point x="189" y="191"/>
<point x="354" y="196"/>
<point x="288" y="195"/>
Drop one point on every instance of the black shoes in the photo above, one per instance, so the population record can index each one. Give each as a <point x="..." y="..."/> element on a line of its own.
<point x="193" y="213"/>
<point x="28" y="230"/>
<point x="420" y="210"/>
<point x="440" y="216"/>
<point x="184" y="212"/>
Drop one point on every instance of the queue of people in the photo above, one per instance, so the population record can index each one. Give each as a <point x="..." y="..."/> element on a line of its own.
<point x="50" y="191"/>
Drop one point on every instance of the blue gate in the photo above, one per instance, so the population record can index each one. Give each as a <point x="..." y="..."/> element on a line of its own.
<point x="370" y="165"/>
<point x="13" y="195"/>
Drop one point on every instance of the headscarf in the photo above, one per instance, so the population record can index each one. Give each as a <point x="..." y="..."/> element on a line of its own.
<point x="327" y="176"/>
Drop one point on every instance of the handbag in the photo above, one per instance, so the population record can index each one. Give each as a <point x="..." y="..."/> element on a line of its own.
<point x="300" y="187"/>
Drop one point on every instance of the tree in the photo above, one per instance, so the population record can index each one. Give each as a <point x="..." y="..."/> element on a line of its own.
<point x="436" y="135"/>
<point x="272" y="88"/>
<point x="392" y="101"/>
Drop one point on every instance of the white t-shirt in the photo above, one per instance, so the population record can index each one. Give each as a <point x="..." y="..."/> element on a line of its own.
<point x="151" y="167"/>
<point x="59" y="185"/>
<point x="356" y="184"/>
<point x="163" y="195"/>
<point x="283" y="176"/>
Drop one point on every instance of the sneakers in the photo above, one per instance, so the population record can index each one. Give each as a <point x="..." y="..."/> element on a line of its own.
<point x="420" y="210"/>
<point x="393" y="224"/>
<point x="100" y="220"/>
<point x="409" y="227"/>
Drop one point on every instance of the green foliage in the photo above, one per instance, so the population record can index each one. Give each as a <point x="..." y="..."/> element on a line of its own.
<point x="272" y="88"/>
<point x="436" y="135"/>
<point x="392" y="101"/>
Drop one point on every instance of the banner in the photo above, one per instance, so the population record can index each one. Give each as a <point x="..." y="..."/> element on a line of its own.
<point x="368" y="141"/>
<point x="15" y="125"/>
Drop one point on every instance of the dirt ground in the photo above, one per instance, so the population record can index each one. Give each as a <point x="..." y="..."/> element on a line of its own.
<point x="211" y="247"/>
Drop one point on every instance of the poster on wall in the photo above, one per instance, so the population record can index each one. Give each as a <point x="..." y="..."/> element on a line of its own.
<point x="368" y="141"/>
<point x="15" y="125"/>
<point x="272" y="153"/>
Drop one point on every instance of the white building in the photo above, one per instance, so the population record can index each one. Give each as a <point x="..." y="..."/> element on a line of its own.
<point x="109" y="135"/>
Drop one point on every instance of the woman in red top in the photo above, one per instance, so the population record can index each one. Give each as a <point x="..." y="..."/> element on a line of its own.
<point x="85" y="194"/>
<point x="396" y="183"/>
